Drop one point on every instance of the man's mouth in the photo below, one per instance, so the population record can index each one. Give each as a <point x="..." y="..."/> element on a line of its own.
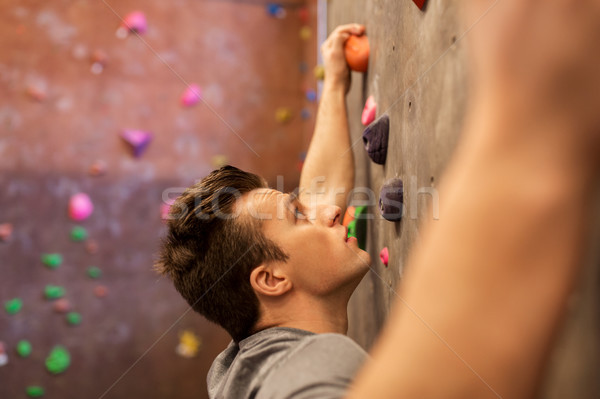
<point x="348" y="238"/>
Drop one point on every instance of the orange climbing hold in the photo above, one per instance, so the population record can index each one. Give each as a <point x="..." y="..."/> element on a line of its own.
<point x="349" y="215"/>
<point x="356" y="50"/>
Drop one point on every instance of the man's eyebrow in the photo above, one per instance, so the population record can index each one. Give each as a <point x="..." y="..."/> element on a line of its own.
<point x="291" y="198"/>
<point x="289" y="201"/>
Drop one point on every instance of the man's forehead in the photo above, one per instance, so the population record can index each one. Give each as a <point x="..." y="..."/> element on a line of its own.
<point x="262" y="199"/>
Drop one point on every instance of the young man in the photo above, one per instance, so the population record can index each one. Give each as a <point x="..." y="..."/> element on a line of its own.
<point x="487" y="285"/>
<point x="277" y="270"/>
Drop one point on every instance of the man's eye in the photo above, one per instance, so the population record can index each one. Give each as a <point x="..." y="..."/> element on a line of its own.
<point x="297" y="213"/>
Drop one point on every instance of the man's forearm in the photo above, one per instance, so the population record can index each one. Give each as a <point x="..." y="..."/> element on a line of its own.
<point x="328" y="170"/>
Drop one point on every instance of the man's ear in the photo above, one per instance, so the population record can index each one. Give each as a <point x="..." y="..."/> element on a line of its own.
<point x="269" y="281"/>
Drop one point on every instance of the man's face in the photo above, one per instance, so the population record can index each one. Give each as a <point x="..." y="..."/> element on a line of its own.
<point x="322" y="260"/>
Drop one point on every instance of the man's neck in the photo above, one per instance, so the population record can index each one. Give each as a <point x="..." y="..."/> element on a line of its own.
<point x="310" y="314"/>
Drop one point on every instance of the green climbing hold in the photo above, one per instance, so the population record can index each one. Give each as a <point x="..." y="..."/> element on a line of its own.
<point x="94" y="272"/>
<point x="58" y="360"/>
<point x="360" y="229"/>
<point x="52" y="260"/>
<point x="23" y="348"/>
<point x="73" y="318"/>
<point x="54" y="292"/>
<point x="79" y="233"/>
<point x="352" y="229"/>
<point x="13" y="306"/>
<point x="34" y="391"/>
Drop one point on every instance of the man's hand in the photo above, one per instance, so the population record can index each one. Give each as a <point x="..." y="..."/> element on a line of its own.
<point x="336" y="69"/>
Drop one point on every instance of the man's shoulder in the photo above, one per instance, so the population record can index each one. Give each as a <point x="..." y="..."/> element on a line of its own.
<point x="240" y="370"/>
<point x="321" y="365"/>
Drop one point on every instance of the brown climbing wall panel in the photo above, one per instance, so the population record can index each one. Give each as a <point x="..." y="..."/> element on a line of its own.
<point x="416" y="73"/>
<point x="247" y="64"/>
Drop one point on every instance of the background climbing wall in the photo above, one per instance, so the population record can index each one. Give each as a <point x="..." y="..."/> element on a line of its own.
<point x="416" y="75"/>
<point x="60" y="113"/>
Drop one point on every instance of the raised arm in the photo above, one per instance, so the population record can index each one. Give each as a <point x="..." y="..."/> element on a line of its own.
<point x="488" y="284"/>
<point x="328" y="172"/>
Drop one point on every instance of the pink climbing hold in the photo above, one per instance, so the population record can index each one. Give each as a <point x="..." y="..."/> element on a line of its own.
<point x="368" y="114"/>
<point x="384" y="255"/>
<point x="135" y="22"/>
<point x="137" y="139"/>
<point x="80" y="207"/>
<point x="191" y="95"/>
<point x="165" y="208"/>
<point x="37" y="92"/>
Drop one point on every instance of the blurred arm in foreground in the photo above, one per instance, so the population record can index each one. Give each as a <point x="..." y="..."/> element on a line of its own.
<point x="487" y="286"/>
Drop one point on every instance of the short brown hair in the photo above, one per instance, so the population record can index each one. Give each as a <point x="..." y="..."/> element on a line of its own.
<point x="209" y="254"/>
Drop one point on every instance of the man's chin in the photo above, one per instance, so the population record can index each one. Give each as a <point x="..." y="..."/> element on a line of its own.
<point x="367" y="258"/>
<point x="364" y="258"/>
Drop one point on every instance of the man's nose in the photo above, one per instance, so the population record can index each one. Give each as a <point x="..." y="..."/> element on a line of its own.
<point x="330" y="215"/>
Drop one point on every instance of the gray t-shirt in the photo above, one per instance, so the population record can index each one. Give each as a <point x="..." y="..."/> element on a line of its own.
<point x="282" y="363"/>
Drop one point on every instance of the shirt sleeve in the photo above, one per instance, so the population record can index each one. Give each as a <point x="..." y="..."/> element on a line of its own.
<point x="321" y="368"/>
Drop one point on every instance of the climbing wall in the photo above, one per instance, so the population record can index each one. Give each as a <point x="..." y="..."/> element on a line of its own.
<point x="416" y="77"/>
<point x="73" y="79"/>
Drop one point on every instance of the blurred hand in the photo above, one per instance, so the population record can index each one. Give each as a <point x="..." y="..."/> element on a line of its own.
<point x="539" y="61"/>
<point x="337" y="72"/>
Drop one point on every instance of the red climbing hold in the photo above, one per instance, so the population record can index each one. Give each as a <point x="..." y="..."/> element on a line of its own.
<point x="98" y="168"/>
<point x="420" y="3"/>
<point x="61" y="305"/>
<point x="303" y="14"/>
<point x="5" y="231"/>
<point x="101" y="291"/>
<point x="91" y="246"/>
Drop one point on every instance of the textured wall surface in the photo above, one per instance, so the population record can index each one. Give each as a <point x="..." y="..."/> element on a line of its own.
<point x="247" y="64"/>
<point x="417" y="76"/>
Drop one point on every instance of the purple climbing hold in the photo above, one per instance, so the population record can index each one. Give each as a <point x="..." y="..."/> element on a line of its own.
<point x="137" y="139"/>
<point x="305" y="113"/>
<point x="375" y="138"/>
<point x="391" y="198"/>
<point x="303" y="67"/>
<point x="311" y="95"/>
